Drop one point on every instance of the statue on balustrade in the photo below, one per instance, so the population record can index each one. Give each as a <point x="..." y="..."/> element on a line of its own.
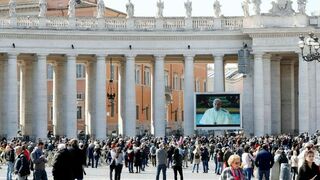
<point x="43" y="8"/>
<point x="217" y="8"/>
<point x="130" y="9"/>
<point x="245" y="7"/>
<point x="160" y="6"/>
<point x="256" y="6"/>
<point x="100" y="9"/>
<point x="188" y="6"/>
<point x="71" y="9"/>
<point x="12" y="8"/>
<point x="302" y="6"/>
<point x="282" y="8"/>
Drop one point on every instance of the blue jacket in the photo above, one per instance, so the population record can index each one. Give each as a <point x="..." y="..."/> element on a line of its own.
<point x="264" y="160"/>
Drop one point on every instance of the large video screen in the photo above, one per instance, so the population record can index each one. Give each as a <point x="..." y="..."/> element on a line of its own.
<point x="218" y="111"/>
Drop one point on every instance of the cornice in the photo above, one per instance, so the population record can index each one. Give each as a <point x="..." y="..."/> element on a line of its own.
<point x="279" y="32"/>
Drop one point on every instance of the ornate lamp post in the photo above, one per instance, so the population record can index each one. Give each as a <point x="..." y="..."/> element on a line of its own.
<point x="312" y="44"/>
<point x="110" y="90"/>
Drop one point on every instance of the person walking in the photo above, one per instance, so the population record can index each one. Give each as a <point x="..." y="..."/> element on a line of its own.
<point x="264" y="162"/>
<point x="130" y="156"/>
<point x="21" y="166"/>
<point x="39" y="161"/>
<point x="205" y="159"/>
<point x="77" y="160"/>
<point x="9" y="156"/>
<point x="161" y="155"/>
<point x="177" y="164"/>
<point x="294" y="164"/>
<point x="119" y="164"/>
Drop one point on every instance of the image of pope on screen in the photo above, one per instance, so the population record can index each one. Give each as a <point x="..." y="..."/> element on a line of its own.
<point x="216" y="115"/>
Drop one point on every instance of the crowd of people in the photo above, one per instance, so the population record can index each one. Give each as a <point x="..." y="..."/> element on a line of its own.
<point x="282" y="157"/>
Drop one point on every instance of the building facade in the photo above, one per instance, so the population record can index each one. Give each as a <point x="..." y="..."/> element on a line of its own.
<point x="280" y="92"/>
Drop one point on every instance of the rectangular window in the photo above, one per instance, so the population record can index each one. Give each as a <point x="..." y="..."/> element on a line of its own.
<point x="138" y="74"/>
<point x="49" y="71"/>
<point x="175" y="82"/>
<point x="112" y="109"/>
<point x="80" y="96"/>
<point x="147" y="113"/>
<point x="182" y="116"/>
<point x="182" y="83"/>
<point x="79" y="112"/>
<point x="166" y="78"/>
<point x="81" y="72"/>
<point x="146" y="76"/>
<point x="205" y="86"/>
<point x="51" y="113"/>
<point x="176" y="115"/>
<point x="137" y="112"/>
<point x="112" y="72"/>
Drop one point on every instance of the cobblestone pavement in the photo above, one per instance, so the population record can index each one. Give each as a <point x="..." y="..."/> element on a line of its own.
<point x="102" y="173"/>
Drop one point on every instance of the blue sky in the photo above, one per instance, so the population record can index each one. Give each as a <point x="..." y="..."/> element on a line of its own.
<point x="200" y="7"/>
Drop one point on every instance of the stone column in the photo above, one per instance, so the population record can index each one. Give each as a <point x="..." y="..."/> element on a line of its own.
<point x="121" y="99"/>
<point x="89" y="96"/>
<point x="275" y="96"/>
<point x="40" y="97"/>
<point x="312" y="97"/>
<point x="267" y="92"/>
<point x="57" y="120"/>
<point x="70" y="97"/>
<point x="12" y="97"/>
<point x="2" y="98"/>
<point x="100" y="100"/>
<point x="318" y="95"/>
<point x="258" y="98"/>
<point x="247" y="102"/>
<point x="218" y="73"/>
<point x="287" y="97"/>
<point x="159" y="98"/>
<point x="304" y="106"/>
<point x="130" y="102"/>
<point x="188" y="95"/>
<point x="22" y="96"/>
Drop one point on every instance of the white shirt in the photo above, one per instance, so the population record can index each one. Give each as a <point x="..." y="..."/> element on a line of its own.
<point x="215" y="117"/>
<point x="247" y="160"/>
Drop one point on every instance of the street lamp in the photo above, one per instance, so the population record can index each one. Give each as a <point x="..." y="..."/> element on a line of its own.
<point x="312" y="44"/>
<point x="110" y="91"/>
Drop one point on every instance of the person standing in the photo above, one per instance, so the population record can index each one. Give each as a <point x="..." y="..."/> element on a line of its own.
<point x="21" y="166"/>
<point x="196" y="159"/>
<point x="233" y="172"/>
<point x="309" y="170"/>
<point x="77" y="160"/>
<point x="264" y="162"/>
<point x="39" y="161"/>
<point x="294" y="164"/>
<point x="161" y="155"/>
<point x="177" y="164"/>
<point x="247" y="160"/>
<point x="9" y="156"/>
<point x="61" y="168"/>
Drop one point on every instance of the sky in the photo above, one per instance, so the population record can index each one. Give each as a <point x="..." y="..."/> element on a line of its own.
<point x="199" y="7"/>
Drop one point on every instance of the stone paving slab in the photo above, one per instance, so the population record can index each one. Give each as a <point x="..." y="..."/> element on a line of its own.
<point x="102" y="173"/>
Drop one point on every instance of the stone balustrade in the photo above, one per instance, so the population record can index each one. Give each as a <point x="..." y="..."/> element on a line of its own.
<point x="123" y="24"/>
<point x="156" y="24"/>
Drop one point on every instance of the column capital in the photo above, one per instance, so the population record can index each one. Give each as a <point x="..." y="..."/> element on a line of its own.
<point x="162" y="56"/>
<point x="189" y="57"/>
<point x="101" y="57"/>
<point x="218" y="55"/>
<point x="258" y="53"/>
<point x="276" y="58"/>
<point x="42" y="56"/>
<point x="130" y="57"/>
<point x="267" y="56"/>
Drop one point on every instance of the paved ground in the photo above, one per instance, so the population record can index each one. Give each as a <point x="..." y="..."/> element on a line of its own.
<point x="102" y="173"/>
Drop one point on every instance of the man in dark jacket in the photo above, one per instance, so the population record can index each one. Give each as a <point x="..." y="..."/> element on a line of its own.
<point x="61" y="168"/>
<point x="264" y="162"/>
<point x="77" y="160"/>
<point x="21" y="166"/>
<point x="39" y="161"/>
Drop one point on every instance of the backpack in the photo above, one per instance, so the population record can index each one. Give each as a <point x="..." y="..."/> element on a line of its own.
<point x="197" y="156"/>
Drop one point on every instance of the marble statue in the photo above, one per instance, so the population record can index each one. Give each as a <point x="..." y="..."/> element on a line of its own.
<point x="282" y="8"/>
<point x="12" y="8"/>
<point x="245" y="7"/>
<point x="43" y="8"/>
<point x="188" y="6"/>
<point x="302" y="6"/>
<point x="217" y="8"/>
<point x="100" y="9"/>
<point x="71" y="9"/>
<point x="130" y="9"/>
<point x="160" y="6"/>
<point x="256" y="6"/>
